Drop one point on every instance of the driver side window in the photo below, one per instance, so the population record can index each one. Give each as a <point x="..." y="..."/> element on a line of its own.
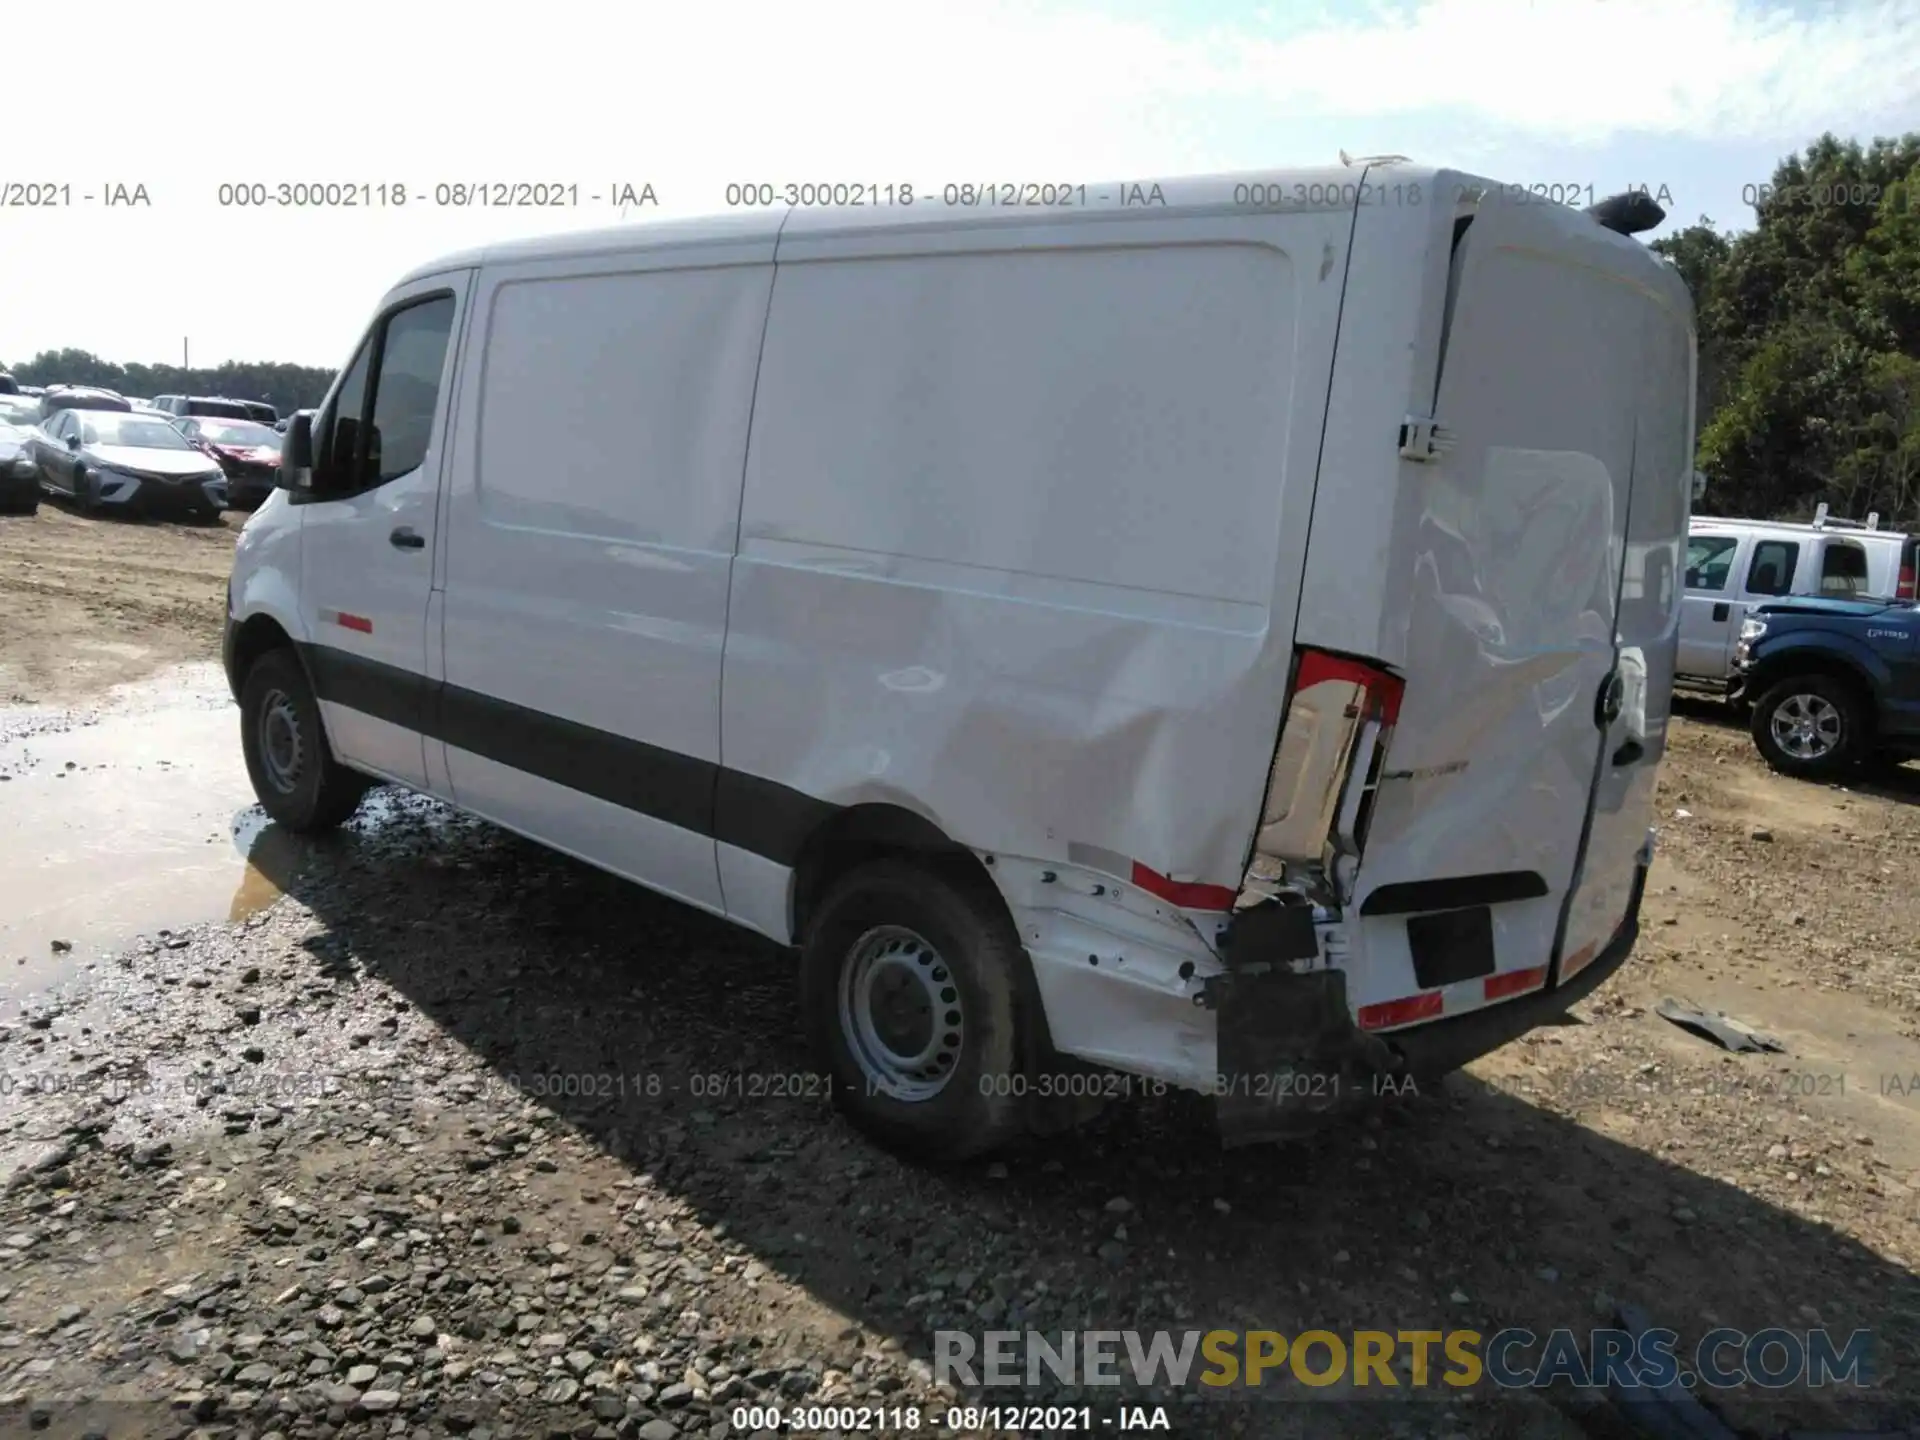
<point x="1710" y="561"/>
<point x="382" y="418"/>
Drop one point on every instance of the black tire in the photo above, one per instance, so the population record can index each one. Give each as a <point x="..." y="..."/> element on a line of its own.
<point x="1830" y="717"/>
<point x="976" y="957"/>
<point x="295" y="777"/>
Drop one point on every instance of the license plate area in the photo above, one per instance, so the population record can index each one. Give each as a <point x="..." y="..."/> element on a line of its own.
<point x="1449" y="946"/>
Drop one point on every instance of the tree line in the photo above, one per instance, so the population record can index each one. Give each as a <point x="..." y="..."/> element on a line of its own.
<point x="1809" y="336"/>
<point x="286" y="387"/>
<point x="1809" y="341"/>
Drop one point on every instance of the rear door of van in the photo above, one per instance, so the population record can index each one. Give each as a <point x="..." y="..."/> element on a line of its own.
<point x="1541" y="621"/>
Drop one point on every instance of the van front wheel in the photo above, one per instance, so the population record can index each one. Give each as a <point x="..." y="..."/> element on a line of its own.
<point x="909" y="982"/>
<point x="298" y="782"/>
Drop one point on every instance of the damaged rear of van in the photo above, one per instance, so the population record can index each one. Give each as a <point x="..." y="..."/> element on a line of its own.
<point x="1215" y="634"/>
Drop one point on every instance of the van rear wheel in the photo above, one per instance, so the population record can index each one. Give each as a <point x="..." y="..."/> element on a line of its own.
<point x="1810" y="726"/>
<point x="909" y="983"/>
<point x="298" y="782"/>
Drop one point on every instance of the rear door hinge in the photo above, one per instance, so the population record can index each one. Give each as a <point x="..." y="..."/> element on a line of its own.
<point x="1421" y="438"/>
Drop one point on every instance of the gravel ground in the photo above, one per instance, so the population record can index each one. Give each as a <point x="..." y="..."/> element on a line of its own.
<point x="460" y="1136"/>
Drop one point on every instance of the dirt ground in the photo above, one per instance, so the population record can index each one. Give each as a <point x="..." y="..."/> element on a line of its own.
<point x="336" y="1164"/>
<point x="85" y="604"/>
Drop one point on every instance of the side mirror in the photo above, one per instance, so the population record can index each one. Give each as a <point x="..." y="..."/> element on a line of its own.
<point x="296" y="453"/>
<point x="73" y="442"/>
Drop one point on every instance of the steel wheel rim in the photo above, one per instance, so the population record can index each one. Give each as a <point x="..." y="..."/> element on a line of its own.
<point x="1807" y="727"/>
<point x="282" y="749"/>
<point x="901" y="1014"/>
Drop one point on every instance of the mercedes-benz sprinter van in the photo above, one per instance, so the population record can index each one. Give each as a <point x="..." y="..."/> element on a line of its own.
<point x="1218" y="631"/>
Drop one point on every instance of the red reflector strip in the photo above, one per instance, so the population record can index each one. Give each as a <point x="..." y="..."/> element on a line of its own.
<point x="357" y="622"/>
<point x="1514" y="982"/>
<point x="1401" y="1012"/>
<point x="1574" y="963"/>
<point x="1905" y="590"/>
<point x="1179" y="892"/>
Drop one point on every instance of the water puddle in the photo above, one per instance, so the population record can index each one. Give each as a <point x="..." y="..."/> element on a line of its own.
<point x="129" y="817"/>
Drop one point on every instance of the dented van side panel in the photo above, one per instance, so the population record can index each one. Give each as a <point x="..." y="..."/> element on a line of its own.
<point x="1024" y="516"/>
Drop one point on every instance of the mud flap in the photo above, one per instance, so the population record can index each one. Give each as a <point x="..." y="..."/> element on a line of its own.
<point x="1290" y="1057"/>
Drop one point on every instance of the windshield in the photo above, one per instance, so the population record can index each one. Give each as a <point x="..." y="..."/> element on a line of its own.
<point x="237" y="432"/>
<point x="19" y="410"/>
<point x="232" y="408"/>
<point x="121" y="428"/>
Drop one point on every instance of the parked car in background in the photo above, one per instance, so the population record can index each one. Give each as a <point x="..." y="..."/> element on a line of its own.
<point x="205" y="405"/>
<point x="19" y="472"/>
<point x="20" y="410"/>
<point x="1832" y="683"/>
<point x="1735" y="565"/>
<point x="246" y="450"/>
<point x="8" y="385"/>
<point x="79" y="397"/>
<point x="261" y="411"/>
<point x="128" y="461"/>
<point x="32" y="390"/>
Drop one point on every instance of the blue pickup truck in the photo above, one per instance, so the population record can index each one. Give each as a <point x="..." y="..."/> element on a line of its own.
<point x="1831" y="683"/>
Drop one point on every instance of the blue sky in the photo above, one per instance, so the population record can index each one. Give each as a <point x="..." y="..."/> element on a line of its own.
<point x="1701" y="97"/>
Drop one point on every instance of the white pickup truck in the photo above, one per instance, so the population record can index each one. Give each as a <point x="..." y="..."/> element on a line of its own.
<point x="1733" y="565"/>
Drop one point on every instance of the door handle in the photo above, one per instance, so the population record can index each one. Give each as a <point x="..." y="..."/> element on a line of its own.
<point x="1628" y="753"/>
<point x="1722" y="610"/>
<point x="407" y="538"/>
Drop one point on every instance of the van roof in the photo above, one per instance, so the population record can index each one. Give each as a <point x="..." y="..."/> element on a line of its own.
<point x="1316" y="188"/>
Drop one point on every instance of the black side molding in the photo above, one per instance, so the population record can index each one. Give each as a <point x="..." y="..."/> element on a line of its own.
<point x="1413" y="896"/>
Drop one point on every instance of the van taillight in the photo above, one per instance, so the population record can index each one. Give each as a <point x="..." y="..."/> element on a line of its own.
<point x="1906" y="588"/>
<point x="1326" y="771"/>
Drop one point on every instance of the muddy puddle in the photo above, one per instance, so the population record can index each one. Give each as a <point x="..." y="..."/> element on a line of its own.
<point x="129" y="817"/>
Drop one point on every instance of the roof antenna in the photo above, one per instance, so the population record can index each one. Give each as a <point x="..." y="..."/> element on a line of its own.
<point x="1352" y="160"/>
<point x="1631" y="212"/>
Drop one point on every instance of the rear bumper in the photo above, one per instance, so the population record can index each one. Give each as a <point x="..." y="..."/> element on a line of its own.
<point x="1293" y="1061"/>
<point x="1442" y="1046"/>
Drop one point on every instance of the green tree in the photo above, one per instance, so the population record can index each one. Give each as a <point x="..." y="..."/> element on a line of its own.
<point x="285" y="387"/>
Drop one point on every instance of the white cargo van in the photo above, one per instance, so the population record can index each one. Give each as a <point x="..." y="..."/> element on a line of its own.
<point x="1733" y="565"/>
<point x="1221" y="632"/>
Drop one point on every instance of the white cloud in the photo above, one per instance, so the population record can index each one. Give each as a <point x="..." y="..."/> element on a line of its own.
<point x="693" y="96"/>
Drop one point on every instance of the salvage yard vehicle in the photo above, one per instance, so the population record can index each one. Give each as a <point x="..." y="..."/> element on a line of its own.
<point x="246" y="450"/>
<point x="19" y="474"/>
<point x="1222" y="635"/>
<point x="178" y="405"/>
<point x="128" y="461"/>
<point x="1735" y="565"/>
<point x="1832" y="683"/>
<point x="56" y="398"/>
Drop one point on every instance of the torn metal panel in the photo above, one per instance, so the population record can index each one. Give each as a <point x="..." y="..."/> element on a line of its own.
<point x="1723" y="1030"/>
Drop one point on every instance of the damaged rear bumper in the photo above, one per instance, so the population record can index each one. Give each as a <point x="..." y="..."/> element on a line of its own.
<point x="1292" y="1060"/>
